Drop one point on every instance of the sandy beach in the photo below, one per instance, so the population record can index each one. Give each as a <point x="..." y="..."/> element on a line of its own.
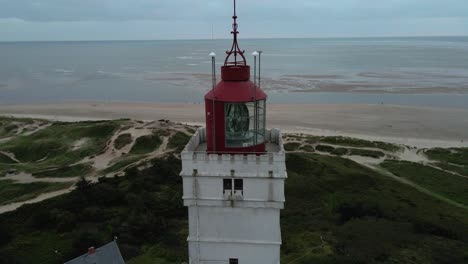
<point x="413" y="126"/>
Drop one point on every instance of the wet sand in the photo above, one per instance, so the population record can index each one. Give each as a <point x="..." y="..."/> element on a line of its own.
<point x="414" y="126"/>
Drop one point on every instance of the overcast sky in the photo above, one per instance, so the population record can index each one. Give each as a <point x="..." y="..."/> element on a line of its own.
<point x="194" y="19"/>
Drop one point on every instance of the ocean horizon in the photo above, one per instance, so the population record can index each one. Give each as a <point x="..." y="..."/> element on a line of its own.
<point x="414" y="71"/>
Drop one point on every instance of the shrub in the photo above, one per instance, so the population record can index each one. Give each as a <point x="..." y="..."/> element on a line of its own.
<point x="123" y="140"/>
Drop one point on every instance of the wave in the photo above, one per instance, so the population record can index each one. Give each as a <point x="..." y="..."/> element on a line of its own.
<point x="64" y="71"/>
<point x="189" y="58"/>
<point x="109" y="73"/>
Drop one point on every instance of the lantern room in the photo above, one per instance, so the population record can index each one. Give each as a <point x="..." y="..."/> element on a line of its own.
<point x="235" y="107"/>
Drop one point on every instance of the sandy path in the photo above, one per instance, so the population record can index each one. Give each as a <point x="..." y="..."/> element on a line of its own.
<point x="414" y="126"/>
<point x="40" y="198"/>
<point x="28" y="178"/>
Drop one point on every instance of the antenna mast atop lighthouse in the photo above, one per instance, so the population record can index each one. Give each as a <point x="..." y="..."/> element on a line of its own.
<point x="235" y="45"/>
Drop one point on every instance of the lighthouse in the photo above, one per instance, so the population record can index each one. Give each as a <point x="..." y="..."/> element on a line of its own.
<point x="233" y="171"/>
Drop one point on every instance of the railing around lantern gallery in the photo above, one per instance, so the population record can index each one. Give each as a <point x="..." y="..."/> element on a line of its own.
<point x="248" y="165"/>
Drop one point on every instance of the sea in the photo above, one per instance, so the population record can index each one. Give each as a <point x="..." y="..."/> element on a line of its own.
<point x="416" y="71"/>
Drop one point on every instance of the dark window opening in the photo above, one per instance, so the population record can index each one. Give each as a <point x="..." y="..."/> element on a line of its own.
<point x="233" y="261"/>
<point x="227" y="185"/>
<point x="238" y="185"/>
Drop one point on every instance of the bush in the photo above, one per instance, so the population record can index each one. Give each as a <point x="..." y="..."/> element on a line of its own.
<point x="291" y="146"/>
<point x="146" y="144"/>
<point x="123" y="140"/>
<point x="325" y="148"/>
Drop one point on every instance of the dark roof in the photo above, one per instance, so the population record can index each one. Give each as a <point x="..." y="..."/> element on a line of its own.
<point x="108" y="254"/>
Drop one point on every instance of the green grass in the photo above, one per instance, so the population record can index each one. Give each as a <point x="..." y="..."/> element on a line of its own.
<point x="143" y="209"/>
<point x="11" y="192"/>
<point x="367" y="153"/>
<point x="121" y="163"/>
<point x="325" y="148"/>
<point x="443" y="183"/>
<point x="146" y="144"/>
<point x="123" y="140"/>
<point x="364" y="217"/>
<point x="6" y="160"/>
<point x="178" y="141"/>
<point x="66" y="172"/>
<point x="307" y="148"/>
<point x="349" y="142"/>
<point x="292" y="146"/>
<point x="340" y="151"/>
<point x="457" y="156"/>
<point x="9" y="126"/>
<point x="462" y="170"/>
<point x="351" y="151"/>
<point x="52" y="147"/>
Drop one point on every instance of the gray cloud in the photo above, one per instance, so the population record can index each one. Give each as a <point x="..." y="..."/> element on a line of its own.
<point x="122" y="10"/>
<point x="179" y="19"/>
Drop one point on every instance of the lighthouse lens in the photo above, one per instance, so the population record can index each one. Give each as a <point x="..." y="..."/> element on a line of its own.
<point x="242" y="130"/>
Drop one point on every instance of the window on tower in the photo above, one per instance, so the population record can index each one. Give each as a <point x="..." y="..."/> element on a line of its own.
<point x="227" y="185"/>
<point x="233" y="261"/>
<point x="239" y="185"/>
<point x="245" y="124"/>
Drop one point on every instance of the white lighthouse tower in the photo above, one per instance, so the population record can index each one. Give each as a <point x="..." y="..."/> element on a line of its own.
<point x="233" y="173"/>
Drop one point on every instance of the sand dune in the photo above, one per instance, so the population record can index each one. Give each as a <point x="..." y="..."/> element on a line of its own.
<point x="414" y="126"/>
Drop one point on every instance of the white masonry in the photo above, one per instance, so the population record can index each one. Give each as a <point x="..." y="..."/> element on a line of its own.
<point x="234" y="203"/>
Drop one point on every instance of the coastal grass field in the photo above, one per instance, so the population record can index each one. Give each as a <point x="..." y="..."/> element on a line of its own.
<point x="347" y="200"/>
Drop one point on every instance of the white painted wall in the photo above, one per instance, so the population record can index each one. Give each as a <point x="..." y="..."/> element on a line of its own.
<point x="221" y="227"/>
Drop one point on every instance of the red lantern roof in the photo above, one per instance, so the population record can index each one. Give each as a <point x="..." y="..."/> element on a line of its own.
<point x="235" y="84"/>
<point x="230" y="91"/>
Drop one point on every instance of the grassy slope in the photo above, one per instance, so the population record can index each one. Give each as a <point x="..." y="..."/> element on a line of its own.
<point x="454" y="155"/>
<point x="77" y="170"/>
<point x="146" y="144"/>
<point x="450" y="186"/>
<point x="351" y="142"/>
<point x="123" y="140"/>
<point x="13" y="192"/>
<point x="143" y="209"/>
<point x="362" y="216"/>
<point x="52" y="146"/>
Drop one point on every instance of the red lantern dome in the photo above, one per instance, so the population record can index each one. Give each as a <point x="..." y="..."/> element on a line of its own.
<point x="235" y="107"/>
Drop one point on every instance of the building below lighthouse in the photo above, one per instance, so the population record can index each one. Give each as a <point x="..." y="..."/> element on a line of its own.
<point x="233" y="173"/>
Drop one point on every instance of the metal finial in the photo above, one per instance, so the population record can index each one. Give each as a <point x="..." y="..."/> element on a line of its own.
<point x="235" y="46"/>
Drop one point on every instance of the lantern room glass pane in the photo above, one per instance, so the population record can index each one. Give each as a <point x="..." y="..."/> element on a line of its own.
<point x="242" y="130"/>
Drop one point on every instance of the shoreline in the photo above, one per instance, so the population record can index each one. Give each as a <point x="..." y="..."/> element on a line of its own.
<point x="421" y="127"/>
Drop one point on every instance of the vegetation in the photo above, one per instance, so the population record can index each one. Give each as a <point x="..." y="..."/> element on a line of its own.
<point x="367" y="153"/>
<point x="11" y="192"/>
<point x="121" y="163"/>
<point x="53" y="146"/>
<point x="453" y="155"/>
<point x="337" y="211"/>
<point x="307" y="148"/>
<point x="350" y="142"/>
<point x="325" y="148"/>
<point x="123" y="140"/>
<point x="10" y="126"/>
<point x="178" y="141"/>
<point x="292" y="146"/>
<point x="364" y="217"/>
<point x="5" y="159"/>
<point x="143" y="209"/>
<point x="65" y="172"/>
<point x="146" y="144"/>
<point x="340" y="151"/>
<point x="443" y="183"/>
<point x="462" y="170"/>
